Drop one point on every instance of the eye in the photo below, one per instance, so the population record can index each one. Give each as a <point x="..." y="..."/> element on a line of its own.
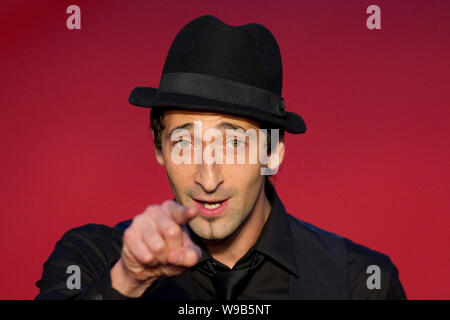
<point x="184" y="143"/>
<point x="235" y="143"/>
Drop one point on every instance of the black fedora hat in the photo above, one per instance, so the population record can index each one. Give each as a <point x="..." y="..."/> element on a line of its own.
<point x="212" y="66"/>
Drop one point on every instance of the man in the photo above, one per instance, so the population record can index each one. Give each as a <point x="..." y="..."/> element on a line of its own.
<point x="226" y="234"/>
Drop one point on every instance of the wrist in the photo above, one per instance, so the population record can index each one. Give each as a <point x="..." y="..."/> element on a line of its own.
<point x="126" y="285"/>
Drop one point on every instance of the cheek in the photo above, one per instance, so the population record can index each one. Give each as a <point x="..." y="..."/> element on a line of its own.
<point x="241" y="176"/>
<point x="174" y="170"/>
<point x="246" y="180"/>
<point x="180" y="174"/>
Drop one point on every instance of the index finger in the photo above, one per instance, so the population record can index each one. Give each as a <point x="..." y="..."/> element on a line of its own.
<point x="180" y="214"/>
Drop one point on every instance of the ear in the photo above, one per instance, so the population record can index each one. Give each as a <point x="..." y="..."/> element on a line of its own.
<point x="276" y="156"/>
<point x="158" y="152"/>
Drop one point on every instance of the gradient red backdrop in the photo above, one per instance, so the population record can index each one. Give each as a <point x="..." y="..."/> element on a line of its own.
<point x="373" y="165"/>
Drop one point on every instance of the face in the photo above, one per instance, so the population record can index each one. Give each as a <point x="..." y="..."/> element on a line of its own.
<point x="226" y="193"/>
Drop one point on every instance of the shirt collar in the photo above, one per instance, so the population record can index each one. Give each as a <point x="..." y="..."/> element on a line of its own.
<point x="275" y="240"/>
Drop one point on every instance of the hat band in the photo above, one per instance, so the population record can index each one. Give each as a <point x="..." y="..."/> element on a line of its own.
<point x="220" y="89"/>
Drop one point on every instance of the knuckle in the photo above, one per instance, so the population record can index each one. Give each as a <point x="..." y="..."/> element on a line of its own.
<point x="172" y="231"/>
<point x="154" y="213"/>
<point x="128" y="235"/>
<point x="167" y="203"/>
<point x="170" y="205"/>
<point x="151" y="207"/>
<point x="137" y="220"/>
<point x="158" y="247"/>
<point x="151" y="210"/>
<point x="147" y="258"/>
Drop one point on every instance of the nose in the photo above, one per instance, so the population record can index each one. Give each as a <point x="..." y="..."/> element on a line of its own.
<point x="208" y="176"/>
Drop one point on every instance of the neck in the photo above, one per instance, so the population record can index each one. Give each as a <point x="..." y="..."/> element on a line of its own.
<point x="229" y="250"/>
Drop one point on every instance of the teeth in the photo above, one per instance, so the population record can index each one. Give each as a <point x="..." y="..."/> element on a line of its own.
<point x="211" y="206"/>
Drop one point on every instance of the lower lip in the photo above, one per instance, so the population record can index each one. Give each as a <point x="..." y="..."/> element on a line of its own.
<point x="212" y="212"/>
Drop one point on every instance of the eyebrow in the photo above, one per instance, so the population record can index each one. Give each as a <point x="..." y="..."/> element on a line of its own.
<point x="187" y="126"/>
<point x="190" y="126"/>
<point x="228" y="125"/>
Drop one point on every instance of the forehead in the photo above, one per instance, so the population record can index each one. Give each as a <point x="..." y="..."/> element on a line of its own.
<point x="175" y="118"/>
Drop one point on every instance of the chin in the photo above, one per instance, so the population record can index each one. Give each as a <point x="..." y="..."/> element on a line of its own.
<point x="208" y="230"/>
<point x="200" y="226"/>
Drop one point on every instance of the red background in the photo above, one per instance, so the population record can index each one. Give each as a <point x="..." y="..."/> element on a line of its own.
<point x="373" y="165"/>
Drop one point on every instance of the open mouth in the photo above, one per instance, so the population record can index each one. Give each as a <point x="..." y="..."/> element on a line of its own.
<point x="211" y="205"/>
<point x="211" y="208"/>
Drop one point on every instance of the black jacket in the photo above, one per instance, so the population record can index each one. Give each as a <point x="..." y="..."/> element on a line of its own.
<point x="324" y="265"/>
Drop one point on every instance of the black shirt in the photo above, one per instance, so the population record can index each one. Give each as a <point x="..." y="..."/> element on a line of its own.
<point x="271" y="281"/>
<point x="96" y="248"/>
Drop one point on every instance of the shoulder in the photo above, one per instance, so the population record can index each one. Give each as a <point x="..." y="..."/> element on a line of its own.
<point x="91" y="249"/>
<point x="360" y="256"/>
<point x="315" y="240"/>
<point x="96" y="240"/>
<point x="355" y="253"/>
<point x="93" y="230"/>
<point x="370" y="274"/>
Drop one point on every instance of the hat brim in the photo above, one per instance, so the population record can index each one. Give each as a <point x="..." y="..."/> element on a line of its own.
<point x="148" y="97"/>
